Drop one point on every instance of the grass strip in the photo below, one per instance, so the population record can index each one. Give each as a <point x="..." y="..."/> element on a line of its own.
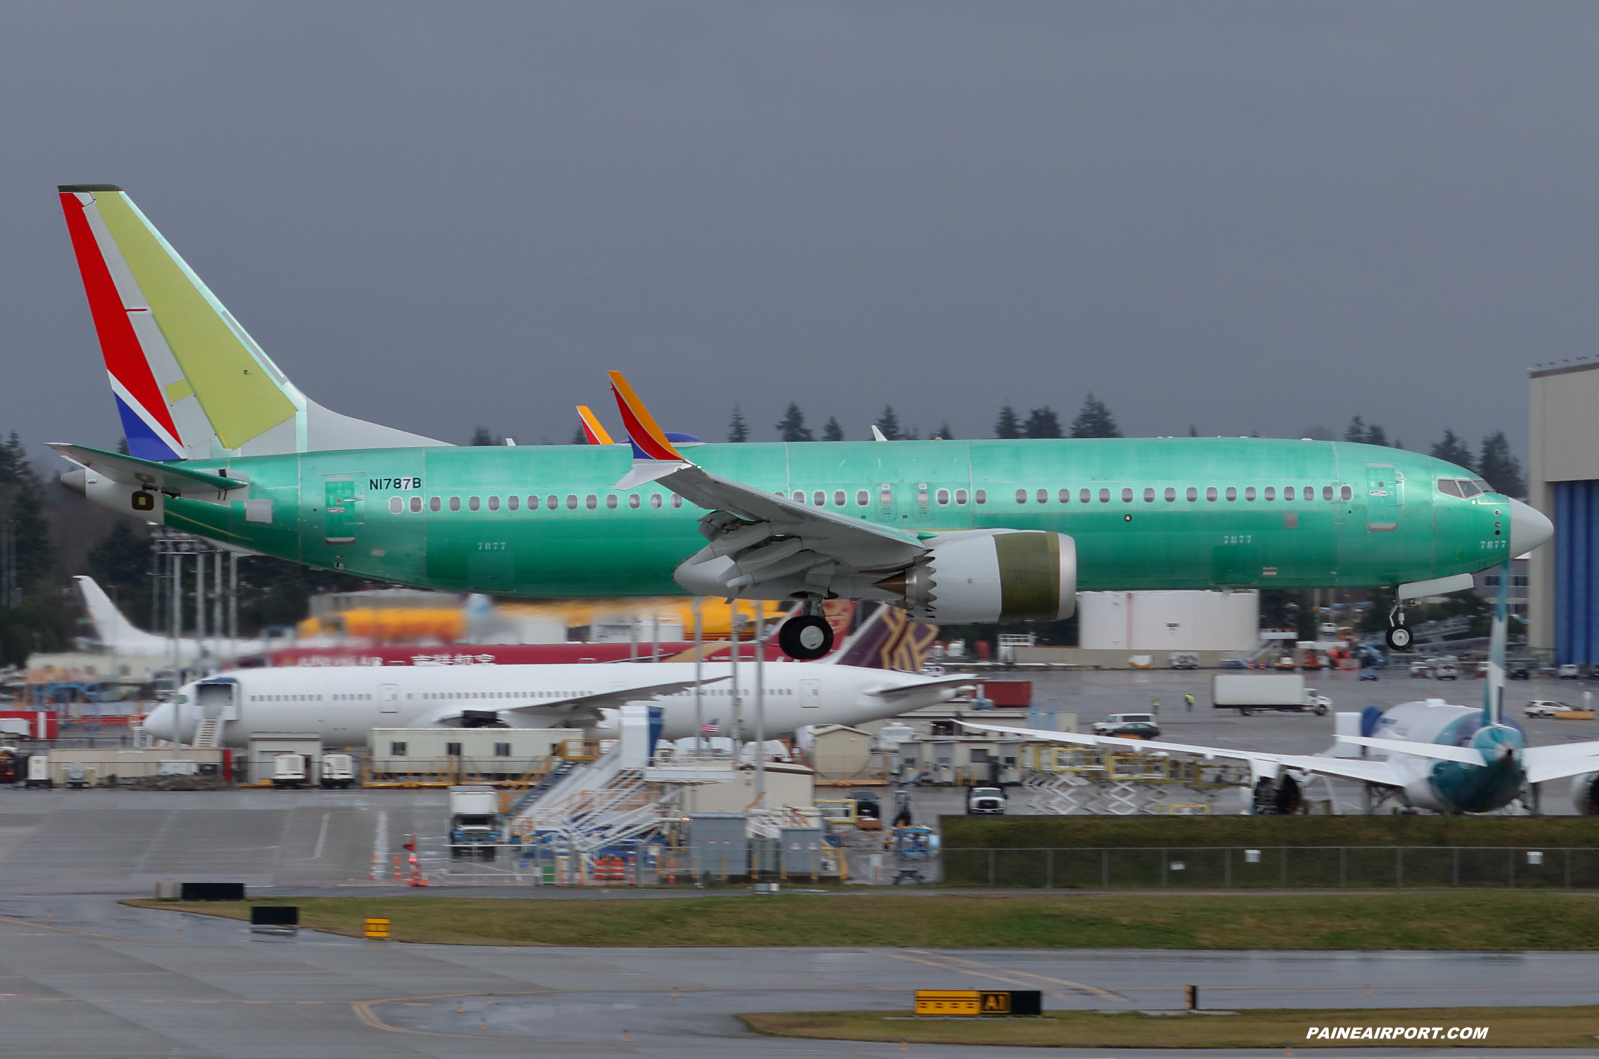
<point x="1517" y="1027"/>
<point x="1469" y="921"/>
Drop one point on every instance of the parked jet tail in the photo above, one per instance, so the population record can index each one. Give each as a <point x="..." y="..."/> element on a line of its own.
<point x="885" y="639"/>
<point x="111" y="627"/>
<point x="189" y="381"/>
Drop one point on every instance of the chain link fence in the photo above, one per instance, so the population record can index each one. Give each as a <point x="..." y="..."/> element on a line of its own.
<point x="1273" y="867"/>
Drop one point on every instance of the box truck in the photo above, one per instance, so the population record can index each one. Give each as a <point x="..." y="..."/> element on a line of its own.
<point x="476" y="824"/>
<point x="1247" y="693"/>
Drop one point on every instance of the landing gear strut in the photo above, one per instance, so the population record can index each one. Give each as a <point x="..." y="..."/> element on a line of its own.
<point x="805" y="637"/>
<point x="1399" y="638"/>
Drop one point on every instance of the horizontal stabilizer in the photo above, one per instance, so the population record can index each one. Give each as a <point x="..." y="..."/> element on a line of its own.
<point x="170" y="478"/>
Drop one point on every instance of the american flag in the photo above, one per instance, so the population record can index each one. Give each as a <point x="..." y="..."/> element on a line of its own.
<point x="710" y="727"/>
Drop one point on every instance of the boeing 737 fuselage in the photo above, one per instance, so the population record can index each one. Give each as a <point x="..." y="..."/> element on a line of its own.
<point x="223" y="445"/>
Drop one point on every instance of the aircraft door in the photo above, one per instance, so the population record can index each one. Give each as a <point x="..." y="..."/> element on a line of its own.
<point x="1382" y="498"/>
<point x="388" y="698"/>
<point x="218" y="701"/>
<point x="810" y="692"/>
<point x="885" y="502"/>
<point x="343" y="509"/>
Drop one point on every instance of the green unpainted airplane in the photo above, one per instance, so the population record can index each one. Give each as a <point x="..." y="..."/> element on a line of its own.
<point x="224" y="446"/>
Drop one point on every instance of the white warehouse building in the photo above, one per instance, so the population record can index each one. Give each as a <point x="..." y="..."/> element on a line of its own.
<point x="1169" y="621"/>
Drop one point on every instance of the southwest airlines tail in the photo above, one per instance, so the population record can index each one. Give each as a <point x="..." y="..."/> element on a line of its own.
<point x="190" y="382"/>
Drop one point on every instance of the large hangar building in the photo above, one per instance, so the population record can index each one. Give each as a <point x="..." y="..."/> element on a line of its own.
<point x="1563" y="483"/>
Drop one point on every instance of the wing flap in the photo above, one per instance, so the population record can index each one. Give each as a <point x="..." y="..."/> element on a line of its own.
<point x="1463" y="754"/>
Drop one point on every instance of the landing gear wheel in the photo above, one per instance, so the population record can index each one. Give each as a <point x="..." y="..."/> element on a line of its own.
<point x="805" y="637"/>
<point x="1399" y="638"/>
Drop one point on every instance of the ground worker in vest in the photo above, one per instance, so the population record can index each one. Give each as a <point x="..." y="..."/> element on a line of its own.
<point x="1154" y="707"/>
<point x="1190" y="700"/>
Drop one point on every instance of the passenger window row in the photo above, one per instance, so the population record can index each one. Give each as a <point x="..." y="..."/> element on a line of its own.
<point x="398" y="504"/>
<point x="1191" y="494"/>
<point x="863" y="497"/>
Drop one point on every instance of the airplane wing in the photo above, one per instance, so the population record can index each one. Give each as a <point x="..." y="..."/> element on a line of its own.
<point x="1463" y="754"/>
<point x="757" y="537"/>
<point x="576" y="707"/>
<point x="935" y="682"/>
<point x="170" y="478"/>
<point x="1560" y="760"/>
<point x="1261" y="765"/>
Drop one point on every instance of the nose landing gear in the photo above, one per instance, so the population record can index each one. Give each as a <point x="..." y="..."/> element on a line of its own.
<point x="1399" y="637"/>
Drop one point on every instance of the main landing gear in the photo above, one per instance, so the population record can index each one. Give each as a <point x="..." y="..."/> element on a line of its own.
<point x="806" y="636"/>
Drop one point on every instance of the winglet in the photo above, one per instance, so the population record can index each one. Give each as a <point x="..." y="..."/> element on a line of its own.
<point x="593" y="429"/>
<point x="649" y="440"/>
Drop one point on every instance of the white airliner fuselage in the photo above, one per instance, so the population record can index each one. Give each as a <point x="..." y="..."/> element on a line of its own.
<point x="344" y="704"/>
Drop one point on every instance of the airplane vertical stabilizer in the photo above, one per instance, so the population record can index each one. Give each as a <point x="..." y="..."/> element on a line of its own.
<point x="887" y="639"/>
<point x="113" y="630"/>
<point x="190" y="382"/>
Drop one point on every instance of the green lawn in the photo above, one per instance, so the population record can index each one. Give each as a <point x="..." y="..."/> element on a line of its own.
<point x="1474" y="920"/>
<point x="1526" y="1027"/>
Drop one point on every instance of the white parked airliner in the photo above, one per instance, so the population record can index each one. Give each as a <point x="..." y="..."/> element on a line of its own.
<point x="342" y="704"/>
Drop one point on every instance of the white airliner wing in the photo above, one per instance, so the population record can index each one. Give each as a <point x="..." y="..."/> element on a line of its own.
<point x="1260" y="764"/>
<point x="575" y="707"/>
<point x="1560" y="760"/>
<point x="1463" y="754"/>
<point x="922" y="685"/>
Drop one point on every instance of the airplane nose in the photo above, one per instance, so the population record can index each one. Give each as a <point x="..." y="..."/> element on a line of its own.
<point x="160" y="722"/>
<point x="1529" y="528"/>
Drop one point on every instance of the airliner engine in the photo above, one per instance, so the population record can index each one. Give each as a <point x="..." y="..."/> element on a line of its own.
<point x="990" y="575"/>
<point x="1585" y="793"/>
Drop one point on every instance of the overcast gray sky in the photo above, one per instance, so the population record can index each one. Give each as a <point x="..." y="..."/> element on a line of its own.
<point x="1241" y="216"/>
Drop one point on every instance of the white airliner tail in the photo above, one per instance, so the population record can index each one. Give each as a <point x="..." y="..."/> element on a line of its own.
<point x="115" y="631"/>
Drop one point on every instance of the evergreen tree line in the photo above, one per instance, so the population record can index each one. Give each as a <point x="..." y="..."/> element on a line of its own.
<point x="1093" y="421"/>
<point x="30" y="623"/>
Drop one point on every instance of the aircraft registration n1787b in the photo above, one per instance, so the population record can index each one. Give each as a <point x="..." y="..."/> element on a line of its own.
<point x="224" y="446"/>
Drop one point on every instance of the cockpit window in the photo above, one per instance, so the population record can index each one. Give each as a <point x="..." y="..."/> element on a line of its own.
<point x="1464" y="487"/>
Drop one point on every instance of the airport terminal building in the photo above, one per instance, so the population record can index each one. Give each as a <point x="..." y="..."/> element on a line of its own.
<point x="1563" y="483"/>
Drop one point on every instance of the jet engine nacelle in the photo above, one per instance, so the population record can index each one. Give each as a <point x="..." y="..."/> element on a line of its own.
<point x="991" y="575"/>
<point x="1585" y="794"/>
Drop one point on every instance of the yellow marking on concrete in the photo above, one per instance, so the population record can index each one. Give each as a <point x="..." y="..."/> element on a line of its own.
<point x="949" y="963"/>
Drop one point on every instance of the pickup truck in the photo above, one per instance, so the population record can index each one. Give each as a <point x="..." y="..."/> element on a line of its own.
<point x="985" y="801"/>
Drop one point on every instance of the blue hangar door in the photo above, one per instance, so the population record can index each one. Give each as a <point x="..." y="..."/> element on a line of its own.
<point x="1577" y="572"/>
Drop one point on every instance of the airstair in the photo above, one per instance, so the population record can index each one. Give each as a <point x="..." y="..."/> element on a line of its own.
<point x="208" y="735"/>
<point x="593" y="806"/>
